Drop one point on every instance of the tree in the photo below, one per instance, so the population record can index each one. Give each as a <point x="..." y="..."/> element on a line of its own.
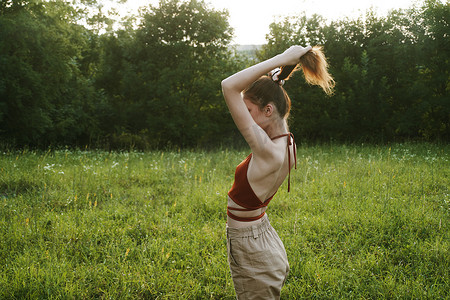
<point x="46" y="95"/>
<point x="165" y="76"/>
<point x="391" y="73"/>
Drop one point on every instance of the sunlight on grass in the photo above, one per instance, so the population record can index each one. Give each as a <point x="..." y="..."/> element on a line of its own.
<point x="360" y="222"/>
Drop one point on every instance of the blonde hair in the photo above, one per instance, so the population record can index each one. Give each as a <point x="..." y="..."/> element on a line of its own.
<point x="315" y="68"/>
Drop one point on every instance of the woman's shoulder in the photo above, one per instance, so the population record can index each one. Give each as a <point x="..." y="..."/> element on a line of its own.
<point x="272" y="158"/>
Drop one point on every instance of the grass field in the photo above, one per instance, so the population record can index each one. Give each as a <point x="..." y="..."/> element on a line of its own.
<point x="360" y="222"/>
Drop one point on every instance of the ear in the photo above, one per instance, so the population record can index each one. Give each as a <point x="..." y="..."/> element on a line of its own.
<point x="268" y="110"/>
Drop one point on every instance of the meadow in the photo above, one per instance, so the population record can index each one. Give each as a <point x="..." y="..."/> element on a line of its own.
<point x="360" y="222"/>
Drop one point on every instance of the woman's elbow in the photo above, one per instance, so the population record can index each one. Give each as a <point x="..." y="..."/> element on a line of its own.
<point x="230" y="87"/>
<point x="225" y="84"/>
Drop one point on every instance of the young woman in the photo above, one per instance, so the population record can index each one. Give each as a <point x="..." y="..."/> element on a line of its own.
<point x="260" y="106"/>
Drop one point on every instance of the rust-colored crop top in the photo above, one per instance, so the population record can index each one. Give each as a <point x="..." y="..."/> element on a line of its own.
<point x="242" y="193"/>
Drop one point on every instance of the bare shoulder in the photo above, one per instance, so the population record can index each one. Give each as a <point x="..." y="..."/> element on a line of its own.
<point x="270" y="158"/>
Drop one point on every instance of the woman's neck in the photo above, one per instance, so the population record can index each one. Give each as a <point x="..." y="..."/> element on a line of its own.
<point x="276" y="128"/>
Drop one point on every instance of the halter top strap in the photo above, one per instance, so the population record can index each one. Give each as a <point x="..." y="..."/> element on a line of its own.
<point x="289" y="143"/>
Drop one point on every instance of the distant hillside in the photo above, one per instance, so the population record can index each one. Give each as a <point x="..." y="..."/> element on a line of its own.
<point x="247" y="50"/>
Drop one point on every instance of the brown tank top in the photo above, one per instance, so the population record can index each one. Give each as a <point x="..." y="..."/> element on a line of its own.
<point x="242" y="193"/>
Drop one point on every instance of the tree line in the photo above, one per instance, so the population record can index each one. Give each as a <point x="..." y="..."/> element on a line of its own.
<point x="67" y="77"/>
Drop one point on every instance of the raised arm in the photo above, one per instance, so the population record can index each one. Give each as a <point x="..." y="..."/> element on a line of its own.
<point x="233" y="86"/>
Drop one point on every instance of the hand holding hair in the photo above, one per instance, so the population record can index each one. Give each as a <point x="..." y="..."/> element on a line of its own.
<point x="313" y="63"/>
<point x="292" y="55"/>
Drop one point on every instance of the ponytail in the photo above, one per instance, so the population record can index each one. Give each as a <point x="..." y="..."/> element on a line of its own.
<point x="269" y="88"/>
<point x="315" y="68"/>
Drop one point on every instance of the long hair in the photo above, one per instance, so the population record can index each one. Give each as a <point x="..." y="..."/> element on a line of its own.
<point x="265" y="90"/>
<point x="315" y="68"/>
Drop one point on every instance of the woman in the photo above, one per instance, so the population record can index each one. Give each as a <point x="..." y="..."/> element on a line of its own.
<point x="260" y="106"/>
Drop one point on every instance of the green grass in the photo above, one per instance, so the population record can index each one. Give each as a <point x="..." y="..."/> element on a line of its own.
<point x="361" y="222"/>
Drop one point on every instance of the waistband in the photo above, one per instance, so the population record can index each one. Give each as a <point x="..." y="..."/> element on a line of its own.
<point x="254" y="230"/>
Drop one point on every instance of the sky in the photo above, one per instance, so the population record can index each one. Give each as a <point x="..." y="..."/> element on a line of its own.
<point x="251" y="18"/>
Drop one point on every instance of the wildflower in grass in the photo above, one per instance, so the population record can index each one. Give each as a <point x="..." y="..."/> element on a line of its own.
<point x="126" y="253"/>
<point x="388" y="227"/>
<point x="48" y="167"/>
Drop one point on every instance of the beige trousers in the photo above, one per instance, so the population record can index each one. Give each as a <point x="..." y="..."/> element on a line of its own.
<point x="257" y="260"/>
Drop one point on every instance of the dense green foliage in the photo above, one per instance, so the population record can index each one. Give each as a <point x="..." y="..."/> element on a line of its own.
<point x="64" y="84"/>
<point x="45" y="97"/>
<point x="158" y="83"/>
<point x="392" y="75"/>
<point x="361" y="222"/>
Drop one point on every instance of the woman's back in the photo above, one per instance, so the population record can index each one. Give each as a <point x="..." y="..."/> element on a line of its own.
<point x="258" y="179"/>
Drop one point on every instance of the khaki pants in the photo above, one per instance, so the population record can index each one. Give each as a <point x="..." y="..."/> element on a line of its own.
<point x="257" y="261"/>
